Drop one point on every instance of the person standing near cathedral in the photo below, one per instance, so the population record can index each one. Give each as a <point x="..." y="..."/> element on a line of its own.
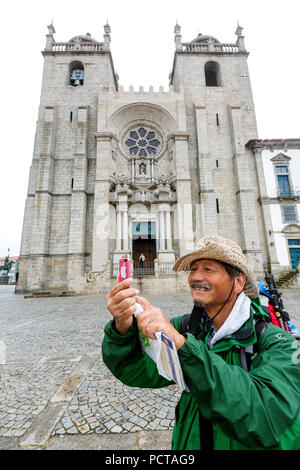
<point x="227" y="407"/>
<point x="141" y="260"/>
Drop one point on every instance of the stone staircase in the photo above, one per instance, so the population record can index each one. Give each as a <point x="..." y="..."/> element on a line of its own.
<point x="287" y="278"/>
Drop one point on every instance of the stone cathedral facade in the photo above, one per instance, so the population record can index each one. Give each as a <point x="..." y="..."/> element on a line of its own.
<point x="143" y="173"/>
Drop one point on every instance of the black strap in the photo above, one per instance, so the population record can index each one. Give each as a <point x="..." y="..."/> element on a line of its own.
<point x="246" y="357"/>
<point x="243" y="358"/>
<point x="185" y="323"/>
<point x="260" y="327"/>
<point x="190" y="322"/>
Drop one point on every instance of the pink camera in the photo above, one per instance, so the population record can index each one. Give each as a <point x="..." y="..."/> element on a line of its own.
<point x="124" y="269"/>
<point x="124" y="273"/>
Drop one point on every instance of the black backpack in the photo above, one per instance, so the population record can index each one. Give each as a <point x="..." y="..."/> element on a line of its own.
<point x="190" y="324"/>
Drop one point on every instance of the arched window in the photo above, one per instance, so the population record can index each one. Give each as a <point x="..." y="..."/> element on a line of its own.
<point x="212" y="74"/>
<point x="76" y="70"/>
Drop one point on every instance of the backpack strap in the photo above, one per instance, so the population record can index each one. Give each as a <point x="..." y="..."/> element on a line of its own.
<point x="190" y="322"/>
<point x="260" y="326"/>
<point x="247" y="354"/>
<point x="184" y="323"/>
<point x="244" y="359"/>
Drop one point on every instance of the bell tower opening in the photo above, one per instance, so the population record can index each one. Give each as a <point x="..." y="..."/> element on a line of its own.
<point x="212" y="74"/>
<point x="76" y="70"/>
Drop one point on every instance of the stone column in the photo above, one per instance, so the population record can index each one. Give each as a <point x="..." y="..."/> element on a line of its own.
<point x="77" y="227"/>
<point x="119" y="229"/>
<point x="183" y="191"/>
<point x="101" y="201"/>
<point x="166" y="253"/>
<point x="168" y="230"/>
<point x="161" y="230"/>
<point x="125" y="229"/>
<point x="41" y="220"/>
<point x="245" y="195"/>
<point x="208" y="219"/>
<point x="122" y="244"/>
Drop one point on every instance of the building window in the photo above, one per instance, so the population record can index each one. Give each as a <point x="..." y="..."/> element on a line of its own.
<point x="284" y="185"/>
<point x="281" y="169"/>
<point x="282" y="175"/>
<point x="290" y="213"/>
<point x="76" y="73"/>
<point x="283" y="180"/>
<point x="212" y="74"/>
<point x="142" y="142"/>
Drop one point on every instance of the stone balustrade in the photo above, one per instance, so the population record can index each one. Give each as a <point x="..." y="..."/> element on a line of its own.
<point x="78" y="46"/>
<point x="210" y="47"/>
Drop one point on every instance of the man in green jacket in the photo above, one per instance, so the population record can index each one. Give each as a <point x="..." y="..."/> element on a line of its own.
<point x="226" y="407"/>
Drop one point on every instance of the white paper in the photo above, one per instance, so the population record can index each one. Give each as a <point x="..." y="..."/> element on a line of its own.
<point x="162" y="351"/>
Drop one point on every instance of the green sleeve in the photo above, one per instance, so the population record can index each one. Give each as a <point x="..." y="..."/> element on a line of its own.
<point x="253" y="408"/>
<point x="125" y="358"/>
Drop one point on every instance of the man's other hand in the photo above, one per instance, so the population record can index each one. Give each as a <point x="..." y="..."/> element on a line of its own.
<point x="152" y="319"/>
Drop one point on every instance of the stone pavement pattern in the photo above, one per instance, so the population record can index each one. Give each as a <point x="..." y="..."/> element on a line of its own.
<point x="56" y="392"/>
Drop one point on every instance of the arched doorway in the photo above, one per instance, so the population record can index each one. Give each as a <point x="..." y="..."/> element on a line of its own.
<point x="143" y="248"/>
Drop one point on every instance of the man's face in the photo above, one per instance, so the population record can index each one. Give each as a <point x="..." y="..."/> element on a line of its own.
<point x="209" y="282"/>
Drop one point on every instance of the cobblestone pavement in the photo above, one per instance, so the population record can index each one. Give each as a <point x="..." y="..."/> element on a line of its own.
<point x="54" y="382"/>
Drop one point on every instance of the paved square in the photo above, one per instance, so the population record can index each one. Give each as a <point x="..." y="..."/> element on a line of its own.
<point x="54" y="382"/>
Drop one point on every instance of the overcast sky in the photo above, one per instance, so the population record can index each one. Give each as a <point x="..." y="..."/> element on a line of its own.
<point x="142" y="45"/>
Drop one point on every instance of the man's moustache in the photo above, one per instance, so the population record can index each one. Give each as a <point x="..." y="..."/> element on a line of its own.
<point x="203" y="285"/>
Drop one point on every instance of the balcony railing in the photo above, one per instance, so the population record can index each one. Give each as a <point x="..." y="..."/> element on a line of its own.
<point x="165" y="268"/>
<point x="295" y="193"/>
<point x="141" y="269"/>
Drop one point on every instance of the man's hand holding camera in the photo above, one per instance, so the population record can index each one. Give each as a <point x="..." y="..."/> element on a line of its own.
<point x="121" y="302"/>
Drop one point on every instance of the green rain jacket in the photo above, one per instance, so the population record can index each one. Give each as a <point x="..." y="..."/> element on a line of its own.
<point x="259" y="409"/>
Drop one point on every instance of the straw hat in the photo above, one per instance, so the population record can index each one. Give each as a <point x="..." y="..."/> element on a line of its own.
<point x="221" y="249"/>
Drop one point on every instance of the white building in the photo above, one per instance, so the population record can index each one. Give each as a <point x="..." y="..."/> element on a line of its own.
<point x="281" y="163"/>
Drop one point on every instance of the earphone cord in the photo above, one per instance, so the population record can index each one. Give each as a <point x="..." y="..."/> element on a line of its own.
<point x="212" y="319"/>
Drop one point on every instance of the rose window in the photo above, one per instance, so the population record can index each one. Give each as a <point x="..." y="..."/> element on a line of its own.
<point x="143" y="142"/>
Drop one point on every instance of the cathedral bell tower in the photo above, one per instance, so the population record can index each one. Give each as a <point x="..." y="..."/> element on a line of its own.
<point x="221" y="120"/>
<point x="55" y="245"/>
